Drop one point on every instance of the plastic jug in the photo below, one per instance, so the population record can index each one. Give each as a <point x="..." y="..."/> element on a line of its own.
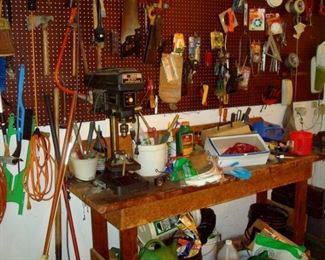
<point x="162" y="253"/>
<point x="228" y="252"/>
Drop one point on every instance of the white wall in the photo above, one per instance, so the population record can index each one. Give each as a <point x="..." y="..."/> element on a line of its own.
<point x="22" y="236"/>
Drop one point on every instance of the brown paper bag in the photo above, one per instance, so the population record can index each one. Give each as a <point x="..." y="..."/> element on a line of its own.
<point x="170" y="90"/>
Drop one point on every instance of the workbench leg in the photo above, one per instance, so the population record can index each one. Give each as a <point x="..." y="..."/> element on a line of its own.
<point x="300" y="212"/>
<point x="261" y="197"/>
<point x="128" y="244"/>
<point x="100" y="240"/>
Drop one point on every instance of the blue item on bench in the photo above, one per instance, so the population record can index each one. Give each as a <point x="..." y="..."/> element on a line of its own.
<point x="268" y="131"/>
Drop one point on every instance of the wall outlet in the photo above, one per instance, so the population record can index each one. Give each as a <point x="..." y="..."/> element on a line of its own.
<point x="321" y="109"/>
<point x="302" y="111"/>
<point x="314" y="104"/>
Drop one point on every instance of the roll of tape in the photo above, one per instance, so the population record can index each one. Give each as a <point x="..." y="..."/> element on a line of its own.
<point x="292" y="61"/>
<point x="274" y="3"/>
<point x="299" y="6"/>
<point x="295" y="6"/>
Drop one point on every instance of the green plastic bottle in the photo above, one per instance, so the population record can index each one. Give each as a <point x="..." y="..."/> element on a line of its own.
<point x="184" y="139"/>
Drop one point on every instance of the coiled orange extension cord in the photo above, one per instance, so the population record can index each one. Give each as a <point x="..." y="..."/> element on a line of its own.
<point x="39" y="173"/>
<point x="3" y="194"/>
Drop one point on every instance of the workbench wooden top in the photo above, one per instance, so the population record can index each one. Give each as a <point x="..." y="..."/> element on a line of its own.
<point x="155" y="203"/>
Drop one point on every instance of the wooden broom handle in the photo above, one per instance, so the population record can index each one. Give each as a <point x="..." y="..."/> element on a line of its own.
<point x="1" y="8"/>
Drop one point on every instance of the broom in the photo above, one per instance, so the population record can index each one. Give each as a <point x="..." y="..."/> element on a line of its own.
<point x="6" y="46"/>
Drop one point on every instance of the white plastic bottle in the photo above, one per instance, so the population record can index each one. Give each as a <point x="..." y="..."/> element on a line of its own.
<point x="228" y="252"/>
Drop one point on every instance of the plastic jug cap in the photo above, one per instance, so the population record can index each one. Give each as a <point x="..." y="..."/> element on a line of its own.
<point x="228" y="242"/>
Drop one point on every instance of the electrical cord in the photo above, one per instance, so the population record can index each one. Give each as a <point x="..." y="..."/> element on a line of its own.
<point x="3" y="193"/>
<point x="39" y="175"/>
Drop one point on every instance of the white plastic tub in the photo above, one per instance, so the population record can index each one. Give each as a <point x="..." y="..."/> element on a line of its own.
<point x="152" y="158"/>
<point x="216" y="146"/>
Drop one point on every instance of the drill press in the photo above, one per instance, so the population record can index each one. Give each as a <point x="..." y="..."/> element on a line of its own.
<point x="114" y="94"/>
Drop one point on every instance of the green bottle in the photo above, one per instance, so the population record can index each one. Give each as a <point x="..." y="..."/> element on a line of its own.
<point x="184" y="139"/>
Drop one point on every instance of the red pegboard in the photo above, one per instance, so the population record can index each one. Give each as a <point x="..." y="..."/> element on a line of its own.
<point x="187" y="17"/>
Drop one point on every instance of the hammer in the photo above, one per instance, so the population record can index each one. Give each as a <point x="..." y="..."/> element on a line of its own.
<point x="43" y="21"/>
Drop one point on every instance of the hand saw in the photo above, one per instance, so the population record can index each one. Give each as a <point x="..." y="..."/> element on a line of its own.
<point x="130" y="31"/>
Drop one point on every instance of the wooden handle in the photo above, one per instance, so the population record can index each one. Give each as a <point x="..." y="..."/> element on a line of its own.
<point x="83" y="53"/>
<point x="1" y="8"/>
<point x="60" y="178"/>
<point x="56" y="93"/>
<point x="46" y="62"/>
<point x="99" y="55"/>
<point x="74" y="51"/>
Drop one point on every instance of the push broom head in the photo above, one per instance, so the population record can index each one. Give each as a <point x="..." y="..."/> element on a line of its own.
<point x="6" y="46"/>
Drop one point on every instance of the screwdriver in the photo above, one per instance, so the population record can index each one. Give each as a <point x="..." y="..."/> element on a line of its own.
<point x="224" y="115"/>
<point x="220" y="115"/>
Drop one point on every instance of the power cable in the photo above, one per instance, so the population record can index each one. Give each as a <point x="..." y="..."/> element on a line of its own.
<point x="39" y="173"/>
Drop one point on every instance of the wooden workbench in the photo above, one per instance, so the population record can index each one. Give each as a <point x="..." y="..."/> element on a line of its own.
<point x="129" y="211"/>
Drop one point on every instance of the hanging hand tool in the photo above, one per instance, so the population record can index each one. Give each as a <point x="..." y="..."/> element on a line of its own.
<point x="58" y="82"/>
<point x="6" y="46"/>
<point x="32" y="23"/>
<point x="3" y="128"/>
<point x="83" y="52"/>
<point x="2" y="114"/>
<point x="130" y="31"/>
<point x="150" y="49"/>
<point x="44" y="20"/>
<point x="321" y="10"/>
<point x="153" y="42"/>
<point x="190" y="69"/>
<point x="6" y="158"/>
<point x="204" y="91"/>
<point x="20" y="116"/>
<point x="99" y="32"/>
<point x="15" y="191"/>
<point x="74" y="49"/>
<point x="224" y="115"/>
<point x="309" y="5"/>
<point x="150" y="92"/>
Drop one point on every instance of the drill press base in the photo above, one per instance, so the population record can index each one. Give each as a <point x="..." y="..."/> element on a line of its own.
<point x="122" y="185"/>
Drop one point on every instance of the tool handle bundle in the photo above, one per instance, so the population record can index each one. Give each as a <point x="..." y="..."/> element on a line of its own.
<point x="3" y="192"/>
<point x="39" y="174"/>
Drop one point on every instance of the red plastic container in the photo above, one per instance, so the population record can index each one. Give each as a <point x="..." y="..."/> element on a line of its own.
<point x="301" y="142"/>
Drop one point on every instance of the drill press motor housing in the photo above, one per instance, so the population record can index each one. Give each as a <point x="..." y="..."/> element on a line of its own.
<point x="114" y="90"/>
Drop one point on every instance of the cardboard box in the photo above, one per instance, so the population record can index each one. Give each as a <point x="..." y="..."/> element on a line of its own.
<point x="237" y="128"/>
<point x="216" y="146"/>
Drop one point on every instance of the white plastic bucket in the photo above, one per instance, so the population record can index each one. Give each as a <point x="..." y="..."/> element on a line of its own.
<point x="209" y="249"/>
<point x="152" y="158"/>
<point x="84" y="169"/>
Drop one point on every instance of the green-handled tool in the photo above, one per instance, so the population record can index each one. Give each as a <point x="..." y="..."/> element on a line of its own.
<point x="15" y="189"/>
